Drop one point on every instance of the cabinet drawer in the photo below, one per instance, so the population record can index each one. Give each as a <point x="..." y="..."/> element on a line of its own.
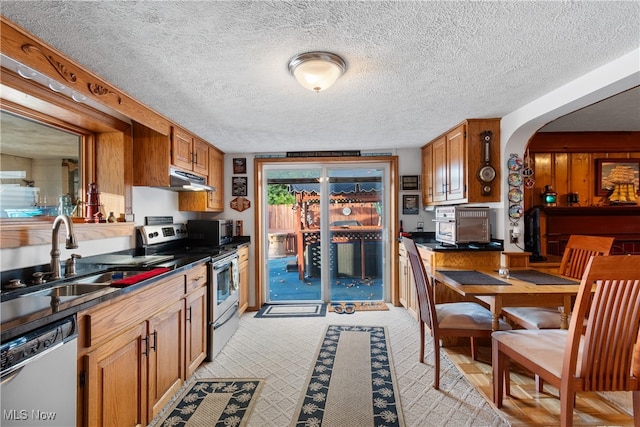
<point x="243" y="254"/>
<point x="104" y="322"/>
<point x="196" y="277"/>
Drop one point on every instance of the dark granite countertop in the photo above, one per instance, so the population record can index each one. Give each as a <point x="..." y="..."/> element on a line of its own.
<point x="427" y="240"/>
<point x="21" y="314"/>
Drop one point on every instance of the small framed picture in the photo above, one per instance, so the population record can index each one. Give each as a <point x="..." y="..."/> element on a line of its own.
<point x="623" y="173"/>
<point x="240" y="165"/>
<point x="410" y="182"/>
<point x="239" y="186"/>
<point x="410" y="204"/>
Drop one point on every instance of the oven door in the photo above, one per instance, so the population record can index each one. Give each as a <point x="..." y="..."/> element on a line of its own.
<point x="446" y="231"/>
<point x="224" y="285"/>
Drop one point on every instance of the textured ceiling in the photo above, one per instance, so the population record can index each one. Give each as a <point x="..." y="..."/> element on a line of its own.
<point x="415" y="69"/>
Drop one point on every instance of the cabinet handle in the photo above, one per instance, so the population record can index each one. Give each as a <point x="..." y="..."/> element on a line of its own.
<point x="196" y="158"/>
<point x="154" y="347"/>
<point x="189" y="315"/>
<point x="197" y="279"/>
<point x="430" y="191"/>
<point x="145" y="351"/>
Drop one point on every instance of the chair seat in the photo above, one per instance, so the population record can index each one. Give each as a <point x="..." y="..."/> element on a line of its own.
<point x="534" y="317"/>
<point x="546" y="348"/>
<point x="466" y="315"/>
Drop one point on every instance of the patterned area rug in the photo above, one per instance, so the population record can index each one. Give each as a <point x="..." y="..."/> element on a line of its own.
<point x="292" y="310"/>
<point x="214" y="402"/>
<point x="352" y="382"/>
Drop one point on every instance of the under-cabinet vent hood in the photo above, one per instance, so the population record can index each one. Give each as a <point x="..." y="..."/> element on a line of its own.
<point x="186" y="181"/>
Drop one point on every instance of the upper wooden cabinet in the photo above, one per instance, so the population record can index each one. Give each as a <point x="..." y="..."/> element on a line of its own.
<point x="189" y="152"/>
<point x="154" y="154"/>
<point x="207" y="201"/>
<point x="452" y="162"/>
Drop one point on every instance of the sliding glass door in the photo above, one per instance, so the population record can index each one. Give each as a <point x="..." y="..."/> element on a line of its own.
<point x="324" y="232"/>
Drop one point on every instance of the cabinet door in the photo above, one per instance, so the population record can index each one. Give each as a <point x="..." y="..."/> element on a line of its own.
<point x="216" y="179"/>
<point x="456" y="172"/>
<point x="117" y="381"/>
<point x="243" y="266"/>
<point x="200" y="157"/>
<point x="181" y="149"/>
<point x="196" y="330"/>
<point x="427" y="174"/>
<point x="440" y="170"/>
<point x="166" y="370"/>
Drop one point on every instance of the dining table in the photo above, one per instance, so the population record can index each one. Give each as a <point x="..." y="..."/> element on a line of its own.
<point x="525" y="287"/>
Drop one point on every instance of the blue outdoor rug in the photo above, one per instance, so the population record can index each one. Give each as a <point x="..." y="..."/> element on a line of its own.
<point x="292" y="310"/>
<point x="352" y="381"/>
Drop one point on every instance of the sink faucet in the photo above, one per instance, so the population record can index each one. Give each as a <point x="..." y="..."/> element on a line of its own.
<point x="70" y="243"/>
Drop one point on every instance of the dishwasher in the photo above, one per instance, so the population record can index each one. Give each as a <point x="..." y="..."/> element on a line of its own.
<point x="39" y="371"/>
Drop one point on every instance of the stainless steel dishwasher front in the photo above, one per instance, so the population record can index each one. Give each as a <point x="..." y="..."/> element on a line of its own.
<point x="39" y="377"/>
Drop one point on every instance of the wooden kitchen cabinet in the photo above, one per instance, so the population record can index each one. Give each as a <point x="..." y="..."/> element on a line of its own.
<point x="406" y="283"/>
<point x="451" y="162"/>
<point x="189" y="152"/>
<point x="136" y="350"/>
<point x="207" y="201"/>
<point x="243" y="267"/>
<point x="116" y="381"/>
<point x="196" y="330"/>
<point x="427" y="175"/>
<point x="155" y="153"/>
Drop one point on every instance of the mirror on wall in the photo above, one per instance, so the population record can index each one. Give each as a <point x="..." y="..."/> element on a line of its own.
<point x="40" y="168"/>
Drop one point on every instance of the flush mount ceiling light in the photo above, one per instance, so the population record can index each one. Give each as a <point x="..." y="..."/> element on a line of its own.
<point x="317" y="70"/>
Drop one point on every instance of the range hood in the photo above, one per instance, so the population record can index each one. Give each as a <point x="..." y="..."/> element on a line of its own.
<point x="180" y="180"/>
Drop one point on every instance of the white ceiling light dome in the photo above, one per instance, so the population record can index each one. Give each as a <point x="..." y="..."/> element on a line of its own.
<point x="317" y="70"/>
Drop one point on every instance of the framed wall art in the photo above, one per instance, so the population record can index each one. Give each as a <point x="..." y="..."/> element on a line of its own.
<point x="410" y="182"/>
<point x="410" y="204"/>
<point x="240" y="165"/>
<point x="623" y="173"/>
<point x="239" y="186"/>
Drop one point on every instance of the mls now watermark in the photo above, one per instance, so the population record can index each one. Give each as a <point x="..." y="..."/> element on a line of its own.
<point x="26" y="415"/>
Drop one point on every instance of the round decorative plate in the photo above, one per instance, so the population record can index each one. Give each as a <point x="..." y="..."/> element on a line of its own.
<point x="515" y="195"/>
<point x="515" y="180"/>
<point x="514" y="163"/>
<point x="346" y="211"/>
<point x="515" y="212"/>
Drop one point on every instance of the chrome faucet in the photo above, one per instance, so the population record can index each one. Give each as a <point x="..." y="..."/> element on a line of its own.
<point x="70" y="243"/>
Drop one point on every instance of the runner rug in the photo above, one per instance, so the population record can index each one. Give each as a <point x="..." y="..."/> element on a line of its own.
<point x="292" y="310"/>
<point x="214" y="402"/>
<point x="352" y="381"/>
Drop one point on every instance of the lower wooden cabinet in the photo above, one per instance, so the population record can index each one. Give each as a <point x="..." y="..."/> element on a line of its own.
<point x="137" y="350"/>
<point x="243" y="267"/>
<point x="116" y="381"/>
<point x="407" y="287"/>
<point x="196" y="330"/>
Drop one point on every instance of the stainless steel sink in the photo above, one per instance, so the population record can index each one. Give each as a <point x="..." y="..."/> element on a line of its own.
<point x="73" y="289"/>
<point x="110" y="276"/>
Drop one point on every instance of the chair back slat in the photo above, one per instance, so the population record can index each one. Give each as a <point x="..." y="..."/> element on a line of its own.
<point x="611" y="334"/>
<point x="579" y="250"/>
<point x="424" y="287"/>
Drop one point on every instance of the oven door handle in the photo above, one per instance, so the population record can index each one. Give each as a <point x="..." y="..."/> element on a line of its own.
<point x="443" y="220"/>
<point x="228" y="316"/>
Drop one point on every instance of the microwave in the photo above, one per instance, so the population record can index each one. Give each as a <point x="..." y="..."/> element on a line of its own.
<point x="210" y="232"/>
<point x="457" y="224"/>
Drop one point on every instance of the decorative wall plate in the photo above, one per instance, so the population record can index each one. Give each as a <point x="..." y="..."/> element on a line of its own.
<point x="346" y="211"/>
<point x="515" y="180"/>
<point x="515" y="195"/>
<point x="514" y="163"/>
<point x="515" y="212"/>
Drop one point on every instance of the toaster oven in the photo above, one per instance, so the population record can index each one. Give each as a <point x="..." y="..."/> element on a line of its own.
<point x="458" y="224"/>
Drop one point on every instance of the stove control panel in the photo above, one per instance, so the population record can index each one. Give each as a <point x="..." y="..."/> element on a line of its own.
<point x="154" y="234"/>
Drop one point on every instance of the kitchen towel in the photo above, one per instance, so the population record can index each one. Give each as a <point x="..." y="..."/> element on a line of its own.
<point x="139" y="277"/>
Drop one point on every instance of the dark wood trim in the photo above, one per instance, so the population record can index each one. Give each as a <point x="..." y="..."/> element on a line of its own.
<point x="584" y="142"/>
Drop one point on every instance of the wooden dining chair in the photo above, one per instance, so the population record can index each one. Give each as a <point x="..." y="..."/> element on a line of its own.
<point x="577" y="253"/>
<point x="456" y="319"/>
<point x="603" y="355"/>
